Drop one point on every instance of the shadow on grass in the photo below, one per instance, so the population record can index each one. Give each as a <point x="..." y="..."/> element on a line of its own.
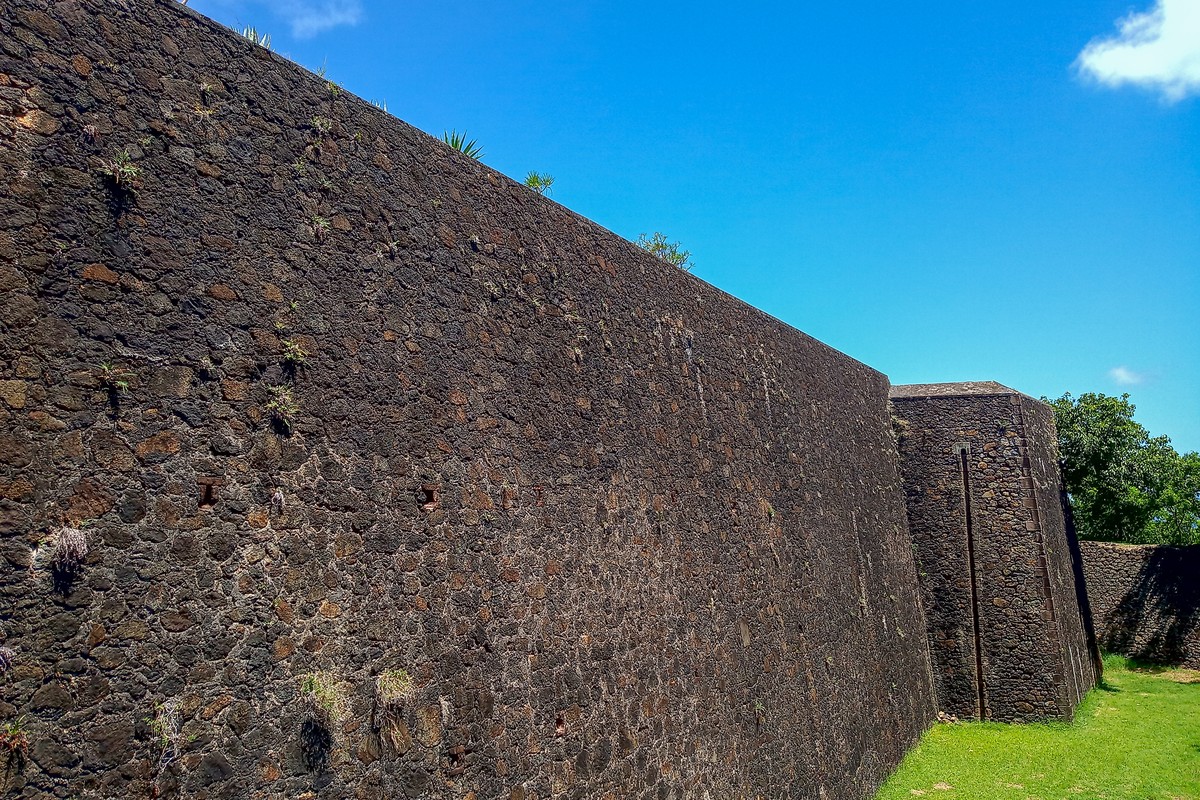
<point x="1149" y="667"/>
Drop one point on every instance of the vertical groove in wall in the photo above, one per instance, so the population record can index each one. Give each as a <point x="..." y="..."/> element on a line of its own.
<point x="966" y="483"/>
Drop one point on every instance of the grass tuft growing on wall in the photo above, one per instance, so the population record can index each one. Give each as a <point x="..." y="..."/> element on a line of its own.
<point x="1137" y="737"/>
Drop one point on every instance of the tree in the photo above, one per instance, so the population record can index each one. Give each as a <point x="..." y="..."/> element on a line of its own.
<point x="670" y="252"/>
<point x="1125" y="485"/>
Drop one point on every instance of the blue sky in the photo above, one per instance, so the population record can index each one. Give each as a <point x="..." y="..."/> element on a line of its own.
<point x="945" y="190"/>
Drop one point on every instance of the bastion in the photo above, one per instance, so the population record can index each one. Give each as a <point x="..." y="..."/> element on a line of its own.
<point x="998" y="562"/>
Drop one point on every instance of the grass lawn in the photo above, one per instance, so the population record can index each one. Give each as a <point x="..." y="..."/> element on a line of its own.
<point x="1135" y="738"/>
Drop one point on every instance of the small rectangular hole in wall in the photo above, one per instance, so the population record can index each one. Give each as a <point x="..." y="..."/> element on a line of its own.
<point x="427" y="496"/>
<point x="208" y="489"/>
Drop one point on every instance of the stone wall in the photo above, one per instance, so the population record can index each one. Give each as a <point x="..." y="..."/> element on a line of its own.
<point x="1146" y="600"/>
<point x="328" y="401"/>
<point x="993" y="550"/>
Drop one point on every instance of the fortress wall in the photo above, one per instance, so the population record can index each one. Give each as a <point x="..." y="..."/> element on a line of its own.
<point x="1146" y="600"/>
<point x="1031" y="651"/>
<point x="631" y="537"/>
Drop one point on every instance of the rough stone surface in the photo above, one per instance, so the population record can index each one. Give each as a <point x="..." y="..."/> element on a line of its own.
<point x="1031" y="649"/>
<point x="1146" y="600"/>
<point x="630" y="537"/>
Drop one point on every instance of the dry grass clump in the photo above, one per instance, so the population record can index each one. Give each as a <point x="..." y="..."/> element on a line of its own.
<point x="70" y="550"/>
<point x="322" y="694"/>
<point x="394" y="689"/>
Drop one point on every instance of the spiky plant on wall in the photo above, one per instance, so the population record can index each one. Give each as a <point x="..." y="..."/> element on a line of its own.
<point x="459" y="141"/>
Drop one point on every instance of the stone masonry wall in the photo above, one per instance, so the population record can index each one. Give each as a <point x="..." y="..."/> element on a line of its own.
<point x="1068" y="588"/>
<point x="1033" y="653"/>
<point x="1146" y="600"/>
<point x="327" y="400"/>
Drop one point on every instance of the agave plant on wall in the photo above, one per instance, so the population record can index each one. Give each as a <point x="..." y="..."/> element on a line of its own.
<point x="459" y="141"/>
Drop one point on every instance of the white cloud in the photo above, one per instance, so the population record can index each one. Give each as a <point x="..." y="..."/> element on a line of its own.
<point x="1158" y="49"/>
<point x="1124" y="376"/>
<point x="310" y="17"/>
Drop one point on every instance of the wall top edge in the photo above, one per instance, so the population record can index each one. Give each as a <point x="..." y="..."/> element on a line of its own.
<point x="635" y="253"/>
<point x="1195" y="548"/>
<point x="960" y="389"/>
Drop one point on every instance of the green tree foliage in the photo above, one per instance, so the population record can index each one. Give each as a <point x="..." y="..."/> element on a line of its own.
<point x="1124" y="484"/>
<point x="669" y="252"/>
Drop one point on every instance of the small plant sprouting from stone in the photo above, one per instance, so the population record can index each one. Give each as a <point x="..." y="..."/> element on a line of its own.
<point x="168" y="732"/>
<point x="669" y="252"/>
<point x="300" y="166"/>
<point x="14" y="739"/>
<point x="124" y="175"/>
<point x="389" y="249"/>
<point x="115" y="379"/>
<point x="459" y="142"/>
<point x="322" y="125"/>
<point x="321" y="693"/>
<point x="294" y="356"/>
<point x="380" y="104"/>
<point x="261" y="39"/>
<point x="320" y="226"/>
<point x="282" y="407"/>
<point x="394" y="689"/>
<point x="539" y="182"/>
<point x="70" y="550"/>
<point x="7" y="657"/>
<point x="278" y="502"/>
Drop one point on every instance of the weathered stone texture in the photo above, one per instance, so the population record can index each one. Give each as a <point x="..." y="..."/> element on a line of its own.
<point x="1146" y="600"/>
<point x="631" y="537"/>
<point x="1033" y="653"/>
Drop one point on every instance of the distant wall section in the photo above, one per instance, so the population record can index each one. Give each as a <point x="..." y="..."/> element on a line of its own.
<point x="993" y="552"/>
<point x="1146" y="600"/>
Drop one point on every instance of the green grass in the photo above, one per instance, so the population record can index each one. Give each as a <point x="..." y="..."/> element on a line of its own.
<point x="1137" y="737"/>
